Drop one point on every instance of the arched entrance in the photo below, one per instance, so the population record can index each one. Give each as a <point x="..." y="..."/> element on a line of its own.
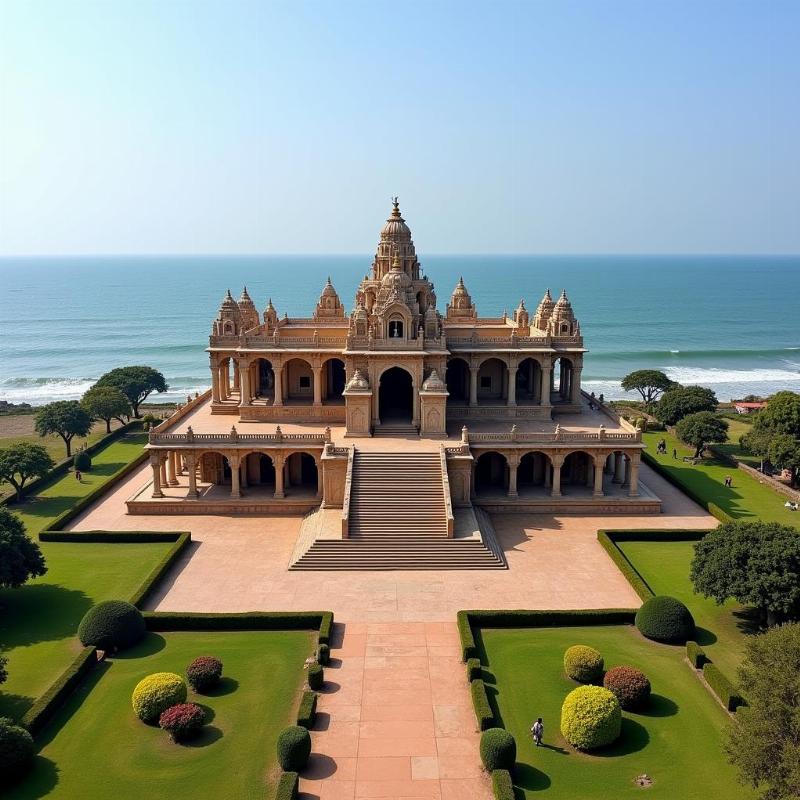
<point x="396" y="397"/>
<point x="491" y="474"/>
<point x="265" y="379"/>
<point x="334" y="380"/>
<point x="492" y="382"/>
<point x="528" y="381"/>
<point x="577" y="470"/>
<point x="533" y="471"/>
<point x="458" y="381"/>
<point x="301" y="469"/>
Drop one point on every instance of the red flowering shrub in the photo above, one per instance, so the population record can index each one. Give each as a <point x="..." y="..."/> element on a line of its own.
<point x="630" y="685"/>
<point x="204" y="673"/>
<point x="183" y="721"/>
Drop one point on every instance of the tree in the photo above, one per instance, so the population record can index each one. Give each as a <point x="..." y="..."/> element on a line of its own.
<point x="3" y="670"/>
<point x="763" y="744"/>
<point x="22" y="461"/>
<point x="106" y="403"/>
<point x="701" y="429"/>
<point x="136" y="383"/>
<point x="20" y="556"/>
<point x="776" y="433"/>
<point x="679" y="402"/>
<point x="782" y="414"/>
<point x="64" y="417"/>
<point x="757" y="563"/>
<point x="784" y="453"/>
<point x="650" y="383"/>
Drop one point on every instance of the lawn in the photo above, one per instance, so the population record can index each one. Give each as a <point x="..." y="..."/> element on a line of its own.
<point x="736" y="429"/>
<point x="677" y="742"/>
<point x="39" y="510"/>
<point x="665" y="567"/>
<point x="39" y="620"/>
<point x="747" y="499"/>
<point x="96" y="747"/>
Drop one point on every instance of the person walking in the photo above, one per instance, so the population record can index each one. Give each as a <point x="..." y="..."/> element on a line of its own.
<point x="538" y="730"/>
<point x="78" y="475"/>
<point x="674" y="452"/>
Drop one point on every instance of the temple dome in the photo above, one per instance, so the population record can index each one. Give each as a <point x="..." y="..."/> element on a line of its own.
<point x="329" y="291"/>
<point x="395" y="226"/>
<point x="433" y="383"/>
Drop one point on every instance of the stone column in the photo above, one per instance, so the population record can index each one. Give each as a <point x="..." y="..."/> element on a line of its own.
<point x="512" y="386"/>
<point x="172" y="477"/>
<point x="278" y="461"/>
<point x="236" y="381"/>
<point x="154" y="463"/>
<point x="221" y="382"/>
<point x="214" y="380"/>
<point x="633" y="491"/>
<point x="627" y="478"/>
<point x="575" y="384"/>
<point x="513" y="465"/>
<point x="191" y="466"/>
<point x="278" y="371"/>
<point x="548" y="474"/>
<point x="317" y="385"/>
<point x="236" y="492"/>
<point x="245" y="392"/>
<point x="243" y="469"/>
<point x="544" y="391"/>
<point x="163" y="467"/>
<point x="599" y="462"/>
<point x="473" y="386"/>
<point x="619" y="467"/>
<point x="556" y="488"/>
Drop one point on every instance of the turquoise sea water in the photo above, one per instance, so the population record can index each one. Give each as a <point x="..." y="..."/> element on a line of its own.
<point x="730" y="323"/>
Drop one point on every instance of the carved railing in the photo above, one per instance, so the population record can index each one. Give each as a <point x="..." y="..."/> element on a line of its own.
<point x="234" y="438"/>
<point x="512" y="341"/>
<point x="448" y="503"/>
<point x="420" y="343"/>
<point x="348" y="483"/>
<point x="555" y="437"/>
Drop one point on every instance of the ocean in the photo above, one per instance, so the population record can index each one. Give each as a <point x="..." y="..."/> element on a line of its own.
<point x="727" y="322"/>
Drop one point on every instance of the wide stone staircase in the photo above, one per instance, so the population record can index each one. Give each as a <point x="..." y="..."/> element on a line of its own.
<point x="398" y="520"/>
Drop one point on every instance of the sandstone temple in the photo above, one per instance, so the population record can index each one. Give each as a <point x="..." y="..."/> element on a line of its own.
<point x="397" y="428"/>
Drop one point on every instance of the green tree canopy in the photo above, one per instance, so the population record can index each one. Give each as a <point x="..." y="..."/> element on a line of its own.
<point x="106" y="403"/>
<point x="136" y="383"/>
<point x="701" y="429"/>
<point x="763" y="742"/>
<point x="784" y="453"/>
<point x="756" y="563"/>
<point x="64" y="417"/>
<point x="22" y="461"/>
<point x="679" y="402"/>
<point x="776" y="433"/>
<point x="782" y="414"/>
<point x="650" y="383"/>
<point x="20" y="556"/>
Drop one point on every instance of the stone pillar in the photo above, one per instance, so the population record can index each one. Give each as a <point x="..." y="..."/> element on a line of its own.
<point x="512" y="386"/>
<point x="513" y="465"/>
<point x="278" y="371"/>
<point x="172" y="477"/>
<point x="619" y="467"/>
<point x="181" y="463"/>
<point x="320" y="478"/>
<point x="633" y="491"/>
<point x="544" y="391"/>
<point x="473" y="386"/>
<point x="243" y="470"/>
<point x="317" y="385"/>
<point x="599" y="462"/>
<point x="236" y="491"/>
<point x="154" y="463"/>
<point x="627" y="478"/>
<point x="575" y="384"/>
<point x="278" y="461"/>
<point x="548" y="474"/>
<point x="214" y="380"/>
<point x="222" y="382"/>
<point x="555" y="491"/>
<point x="236" y="380"/>
<point x="163" y="467"/>
<point x="245" y="392"/>
<point x="191" y="466"/>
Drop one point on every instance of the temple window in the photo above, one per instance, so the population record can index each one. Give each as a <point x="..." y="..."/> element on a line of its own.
<point x="395" y="329"/>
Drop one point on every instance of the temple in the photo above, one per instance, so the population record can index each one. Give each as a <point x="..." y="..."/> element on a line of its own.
<point x="397" y="418"/>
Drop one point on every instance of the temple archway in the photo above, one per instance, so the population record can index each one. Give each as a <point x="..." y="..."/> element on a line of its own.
<point x="265" y="379"/>
<point x="491" y="474"/>
<point x="334" y="380"/>
<point x="492" y="382"/>
<point x="301" y="471"/>
<point x="577" y="470"/>
<point x="396" y="396"/>
<point x="562" y="376"/>
<point x="533" y="470"/>
<point x="458" y="381"/>
<point x="529" y="376"/>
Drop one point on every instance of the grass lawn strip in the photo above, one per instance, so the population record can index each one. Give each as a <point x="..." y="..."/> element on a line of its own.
<point x="747" y="500"/>
<point x="96" y="747"/>
<point x="677" y="742"/>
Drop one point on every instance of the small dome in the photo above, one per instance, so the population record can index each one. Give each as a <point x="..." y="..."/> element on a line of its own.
<point x="360" y="313"/>
<point x="395" y="225"/>
<point x="395" y="278"/>
<point x="460" y="289"/>
<point x="358" y="382"/>
<point x="433" y="383"/>
<point x="563" y="301"/>
<point x="229" y="303"/>
<point x="329" y="291"/>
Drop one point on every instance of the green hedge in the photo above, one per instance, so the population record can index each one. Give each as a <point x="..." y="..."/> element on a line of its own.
<point x="287" y="786"/>
<point x="696" y="655"/>
<point x="502" y="785"/>
<point x="160" y="570"/>
<point x="631" y="574"/>
<point x="722" y="687"/>
<point x="655" y="535"/>
<point x="243" y="621"/>
<point x="308" y="710"/>
<point x="474" y="669"/>
<point x="40" y="713"/>
<point x="480" y="702"/>
<point x="111" y="537"/>
<point x="521" y="618"/>
<point x="712" y="508"/>
<point x="325" y="628"/>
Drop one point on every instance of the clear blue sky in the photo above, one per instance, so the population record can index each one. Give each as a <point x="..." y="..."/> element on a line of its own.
<point x="189" y="126"/>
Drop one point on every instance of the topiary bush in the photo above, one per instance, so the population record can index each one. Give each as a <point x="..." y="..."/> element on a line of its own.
<point x="591" y="717"/>
<point x="183" y="721"/>
<point x="16" y="748"/>
<point x="630" y="686"/>
<point x="82" y="461"/>
<point x="111" y="625"/>
<point x="324" y="654"/>
<point x="204" y="673"/>
<point x="498" y="749"/>
<point x="583" y="664"/>
<point x="294" y="748"/>
<point x="156" y="693"/>
<point x="316" y="676"/>
<point x="665" y="619"/>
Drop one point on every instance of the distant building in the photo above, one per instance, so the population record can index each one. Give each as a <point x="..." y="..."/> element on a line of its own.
<point x="749" y="408"/>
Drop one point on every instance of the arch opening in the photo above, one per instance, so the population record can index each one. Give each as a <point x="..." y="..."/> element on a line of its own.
<point x="492" y="382"/>
<point x="533" y="471"/>
<point x="529" y="378"/>
<point x="491" y="474"/>
<point x="334" y="380"/>
<point x="265" y="379"/>
<point x="396" y="396"/>
<point x="458" y="381"/>
<point x="301" y="472"/>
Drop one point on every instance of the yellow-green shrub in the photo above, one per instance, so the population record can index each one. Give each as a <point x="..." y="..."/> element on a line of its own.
<point x="591" y="717"/>
<point x="156" y="693"/>
<point x="583" y="664"/>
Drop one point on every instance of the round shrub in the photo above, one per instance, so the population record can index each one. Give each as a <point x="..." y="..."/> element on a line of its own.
<point x="82" y="461"/>
<point x="324" y="654"/>
<point x="665" y="619"/>
<point x="111" y="625"/>
<point x="183" y="721"/>
<point x="630" y="685"/>
<point x="591" y="717"/>
<point x="294" y="748"/>
<point x="583" y="664"/>
<point x="498" y="749"/>
<point x="16" y="748"/>
<point x="316" y="676"/>
<point x="204" y="673"/>
<point x="156" y="693"/>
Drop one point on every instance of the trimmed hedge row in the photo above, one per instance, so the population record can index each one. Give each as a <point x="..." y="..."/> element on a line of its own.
<point x="712" y="508"/>
<point x="480" y="702"/>
<point x="111" y="537"/>
<point x="40" y="713"/>
<point x="308" y="710"/>
<point x="637" y="582"/>
<point x="722" y="687"/>
<point x="287" y="786"/>
<point x="520" y="618"/>
<point x="655" y="535"/>
<point x="473" y="669"/>
<point x="696" y="655"/>
<point x="240" y="621"/>
<point x="502" y="785"/>
<point x="160" y="570"/>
